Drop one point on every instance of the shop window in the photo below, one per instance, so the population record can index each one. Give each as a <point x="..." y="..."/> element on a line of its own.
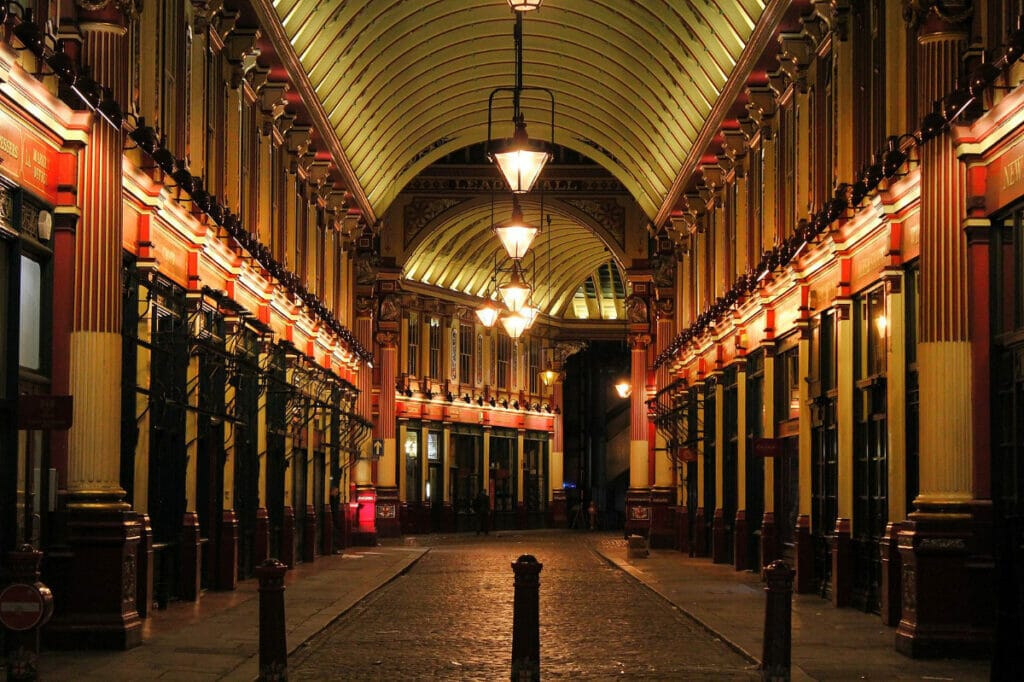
<point x="504" y="361"/>
<point x="30" y="315"/>
<point x="465" y="353"/>
<point x="434" y="341"/>
<point x="413" y="344"/>
<point x="534" y="366"/>
<point x="413" y="472"/>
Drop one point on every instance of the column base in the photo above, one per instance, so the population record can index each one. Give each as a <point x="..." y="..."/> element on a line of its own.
<point x="663" y="531"/>
<point x="327" y="545"/>
<point x="638" y="511"/>
<point x="100" y="612"/>
<point x="288" y="555"/>
<point x="227" y="551"/>
<point x="700" y="534"/>
<point x="719" y="538"/>
<point x="769" y="539"/>
<point x="144" y="594"/>
<point x="683" y="530"/>
<point x="309" y="537"/>
<point x="388" y="523"/>
<point x="806" y="581"/>
<point x="559" y="512"/>
<point x="191" y="558"/>
<point x="942" y="605"/>
<point x="741" y="541"/>
<point x="842" y="564"/>
<point x="261" y="537"/>
<point x="892" y="567"/>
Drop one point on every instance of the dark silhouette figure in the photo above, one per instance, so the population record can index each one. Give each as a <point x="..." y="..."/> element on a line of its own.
<point x="482" y="507"/>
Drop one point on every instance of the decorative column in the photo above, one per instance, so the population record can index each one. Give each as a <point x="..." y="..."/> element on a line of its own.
<point x="769" y="530"/>
<point x="842" y="536"/>
<point x="803" y="543"/>
<point x="559" y="513"/>
<point x="663" y="493"/>
<point x="519" y="465"/>
<point x="190" y="555"/>
<point x="939" y="614"/>
<point x="896" y="418"/>
<point x="102" y="529"/>
<point x="700" y="534"/>
<point x="719" y="551"/>
<point x="388" y="524"/>
<point x="261" y="541"/>
<point x="364" y="529"/>
<point x="741" y="528"/>
<point x="227" y="540"/>
<point x="638" y="496"/>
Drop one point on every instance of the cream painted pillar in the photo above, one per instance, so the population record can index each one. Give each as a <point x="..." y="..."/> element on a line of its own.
<point x="261" y="433"/>
<point x="768" y="425"/>
<point x="664" y="462"/>
<point x="896" y="394"/>
<point x="425" y="461"/>
<point x="557" y="464"/>
<point x="719" y="442"/>
<point x="403" y="459"/>
<point x="446" y="461"/>
<point x="388" y="345"/>
<point x="230" y="451"/>
<point x="844" y="408"/>
<point x="143" y="377"/>
<point x="520" y="467"/>
<point x="805" y="438"/>
<point x="549" y="493"/>
<point x="741" y="437"/>
<point x="702" y="420"/>
<point x="289" y="446"/>
<point x="362" y="471"/>
<point x="486" y="474"/>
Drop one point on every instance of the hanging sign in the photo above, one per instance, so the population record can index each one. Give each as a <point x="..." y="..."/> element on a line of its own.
<point x="767" y="447"/>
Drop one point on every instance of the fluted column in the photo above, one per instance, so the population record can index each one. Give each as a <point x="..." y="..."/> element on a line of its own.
<point x="638" y="496"/>
<point x="664" y="469"/>
<point x="95" y="437"/>
<point x="943" y="609"/>
<point x="559" y="515"/>
<point x="638" y="445"/>
<point x="364" y="527"/>
<point x="102" y="531"/>
<point x="388" y="523"/>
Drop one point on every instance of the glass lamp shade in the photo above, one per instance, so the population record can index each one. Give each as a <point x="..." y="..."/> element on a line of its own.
<point x="623" y="389"/>
<point x="524" y="5"/>
<point x="515" y="292"/>
<point x="514" y="324"/>
<point x="521" y="160"/>
<point x="548" y="376"/>
<point x="530" y="313"/>
<point x="516" y="234"/>
<point x="488" y="314"/>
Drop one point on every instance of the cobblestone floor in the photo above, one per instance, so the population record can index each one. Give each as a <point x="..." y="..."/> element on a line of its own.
<point x="450" y="617"/>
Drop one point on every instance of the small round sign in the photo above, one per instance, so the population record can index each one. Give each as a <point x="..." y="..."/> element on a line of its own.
<point x="21" y="607"/>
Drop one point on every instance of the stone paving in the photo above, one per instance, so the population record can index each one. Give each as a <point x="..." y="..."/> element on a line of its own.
<point x="450" y="617"/>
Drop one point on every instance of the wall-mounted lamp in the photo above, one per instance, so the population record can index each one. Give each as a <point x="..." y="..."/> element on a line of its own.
<point x="624" y="389"/>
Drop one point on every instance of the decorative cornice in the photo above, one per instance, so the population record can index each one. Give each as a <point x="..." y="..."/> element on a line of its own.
<point x="270" y="22"/>
<point x="763" y="32"/>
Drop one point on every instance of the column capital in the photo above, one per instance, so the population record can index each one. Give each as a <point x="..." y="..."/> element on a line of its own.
<point x="387" y="340"/>
<point x="638" y="341"/>
<point x="932" y="17"/>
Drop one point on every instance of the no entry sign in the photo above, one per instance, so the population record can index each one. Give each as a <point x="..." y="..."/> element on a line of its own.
<point x="21" y="607"/>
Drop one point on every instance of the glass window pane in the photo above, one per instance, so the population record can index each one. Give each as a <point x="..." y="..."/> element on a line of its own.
<point x="30" y="317"/>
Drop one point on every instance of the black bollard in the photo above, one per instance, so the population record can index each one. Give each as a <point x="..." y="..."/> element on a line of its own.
<point x="526" y="619"/>
<point x="778" y="634"/>
<point x="273" y="640"/>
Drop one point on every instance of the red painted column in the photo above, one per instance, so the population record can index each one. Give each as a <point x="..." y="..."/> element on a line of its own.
<point x="102" y="530"/>
<point x="663" y="492"/>
<point x="638" y="495"/>
<point x="939" y="547"/>
<point x="388" y="524"/>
